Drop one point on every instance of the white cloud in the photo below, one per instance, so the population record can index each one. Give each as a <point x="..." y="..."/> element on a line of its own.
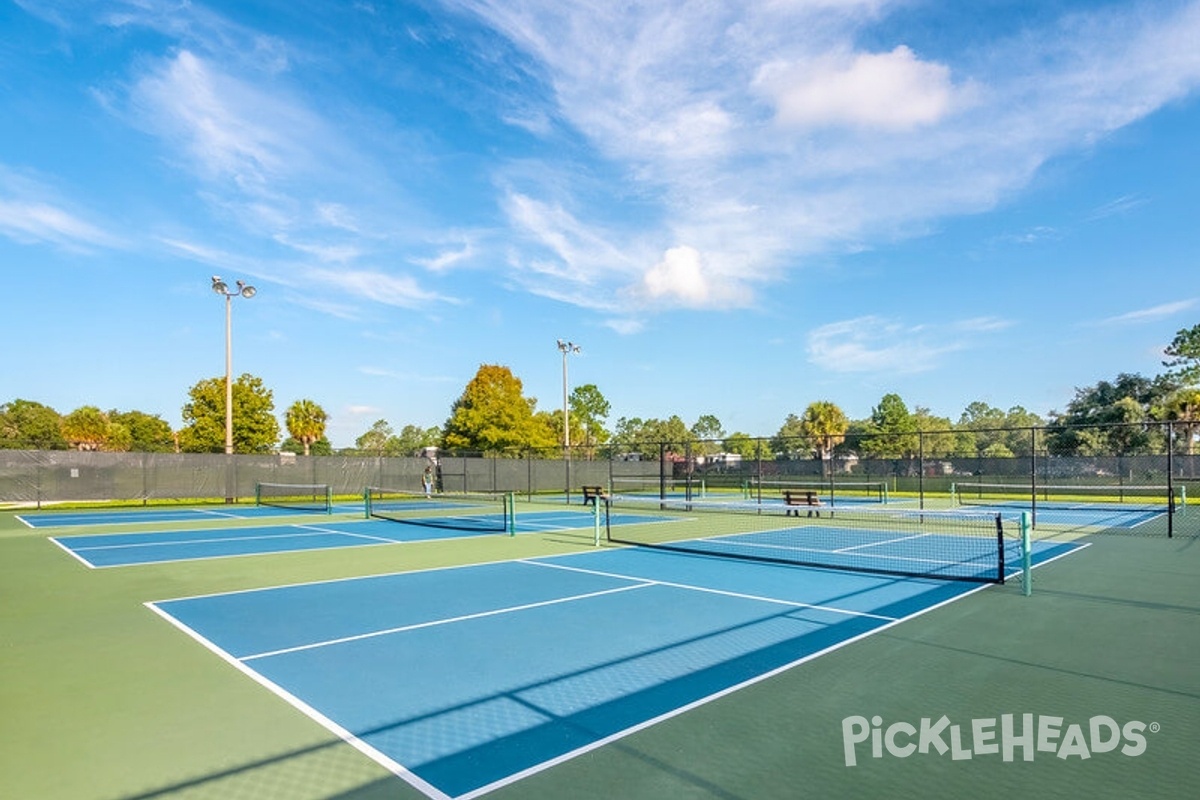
<point x="874" y="344"/>
<point x="31" y="212"/>
<point x="879" y="344"/>
<point x="983" y="324"/>
<point x="447" y="259"/>
<point x="363" y="410"/>
<point x="230" y="129"/>
<point x="28" y="222"/>
<point x="765" y="133"/>
<point x="1152" y="314"/>
<point x="893" y="91"/>
<point x="393" y="290"/>
<point x="1121" y="205"/>
<point x="681" y="278"/>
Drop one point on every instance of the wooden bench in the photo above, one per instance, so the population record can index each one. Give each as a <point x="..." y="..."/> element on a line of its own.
<point x="796" y="498"/>
<point x="591" y="493"/>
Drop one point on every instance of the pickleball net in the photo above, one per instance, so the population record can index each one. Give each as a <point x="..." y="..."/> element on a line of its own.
<point x="951" y="545"/>
<point x="295" y="496"/>
<point x="485" y="512"/>
<point x="1107" y="497"/>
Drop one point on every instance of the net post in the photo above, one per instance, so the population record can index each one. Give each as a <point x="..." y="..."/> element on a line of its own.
<point x="596" y="520"/>
<point x="1000" y="566"/>
<point x="258" y="493"/>
<point x="1026" y="556"/>
<point x="329" y="498"/>
<point x="510" y="513"/>
<point x="366" y="502"/>
<point x="1170" y="480"/>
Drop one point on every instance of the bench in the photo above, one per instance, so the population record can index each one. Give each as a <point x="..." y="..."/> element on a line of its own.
<point x="796" y="498"/>
<point x="591" y="493"/>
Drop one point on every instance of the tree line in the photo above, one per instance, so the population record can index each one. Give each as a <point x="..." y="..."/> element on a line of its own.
<point x="493" y="415"/>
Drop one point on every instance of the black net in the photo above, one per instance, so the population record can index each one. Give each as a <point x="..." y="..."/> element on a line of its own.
<point x="962" y="545"/>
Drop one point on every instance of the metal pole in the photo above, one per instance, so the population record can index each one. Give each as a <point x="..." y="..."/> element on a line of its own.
<point x="1170" y="480"/>
<point x="566" y="410"/>
<point x="228" y="374"/>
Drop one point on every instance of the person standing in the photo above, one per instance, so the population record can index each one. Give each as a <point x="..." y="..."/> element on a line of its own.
<point x="427" y="481"/>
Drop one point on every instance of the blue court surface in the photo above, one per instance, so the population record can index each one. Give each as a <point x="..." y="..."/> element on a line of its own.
<point x="156" y="547"/>
<point x="74" y="519"/>
<point x="464" y="680"/>
<point x="1092" y="515"/>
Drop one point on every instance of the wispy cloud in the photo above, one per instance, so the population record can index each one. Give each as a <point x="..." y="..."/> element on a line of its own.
<point x="768" y="134"/>
<point x="1152" y="314"/>
<point x="32" y="212"/>
<point x="890" y="346"/>
<point x="1121" y="205"/>
<point x="29" y="222"/>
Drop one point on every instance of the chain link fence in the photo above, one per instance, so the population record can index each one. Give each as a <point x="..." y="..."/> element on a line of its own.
<point x="916" y="466"/>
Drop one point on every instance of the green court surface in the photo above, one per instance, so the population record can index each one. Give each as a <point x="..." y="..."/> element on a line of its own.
<point x="101" y="699"/>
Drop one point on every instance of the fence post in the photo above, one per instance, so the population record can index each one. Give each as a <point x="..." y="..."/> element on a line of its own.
<point x="920" y="469"/>
<point x="1170" y="480"/>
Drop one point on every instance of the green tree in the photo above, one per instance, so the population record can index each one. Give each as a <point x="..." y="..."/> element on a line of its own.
<point x="149" y="433"/>
<point x="1019" y="437"/>
<point x="980" y="426"/>
<point x="636" y="435"/>
<point x="375" y="441"/>
<point x="628" y="435"/>
<point x="790" y="441"/>
<point x="742" y="444"/>
<point x="255" y="429"/>
<point x="321" y="447"/>
<point x="86" y="428"/>
<point x="413" y="439"/>
<point x="707" y="432"/>
<point x="27" y="424"/>
<point x="305" y="422"/>
<point x="1110" y="404"/>
<point x="823" y="425"/>
<point x="893" y="430"/>
<point x="1184" y="352"/>
<point x="492" y="415"/>
<point x="589" y="409"/>
<point x="938" y="439"/>
<point x="1183" y="408"/>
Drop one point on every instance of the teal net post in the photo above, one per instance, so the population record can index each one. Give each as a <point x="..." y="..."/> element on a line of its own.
<point x="367" y="503"/>
<point x="883" y="498"/>
<point x="329" y="499"/>
<point x="510" y="512"/>
<point x="1026" y="557"/>
<point x="596" y="522"/>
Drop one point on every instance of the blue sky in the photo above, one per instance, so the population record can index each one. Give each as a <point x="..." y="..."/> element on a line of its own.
<point x="734" y="208"/>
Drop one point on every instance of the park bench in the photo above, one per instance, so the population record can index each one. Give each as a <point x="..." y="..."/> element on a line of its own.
<point x="591" y="493"/>
<point x="795" y="499"/>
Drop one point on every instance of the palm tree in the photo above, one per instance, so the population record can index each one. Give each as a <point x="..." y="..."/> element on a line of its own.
<point x="825" y="426"/>
<point x="306" y="422"/>
<point x="1183" y="408"/>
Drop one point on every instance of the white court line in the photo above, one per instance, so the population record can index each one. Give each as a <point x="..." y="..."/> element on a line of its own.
<point x="430" y="791"/>
<point x="708" y="590"/>
<point x="378" y="756"/>
<point x="446" y="621"/>
<point x="217" y="540"/>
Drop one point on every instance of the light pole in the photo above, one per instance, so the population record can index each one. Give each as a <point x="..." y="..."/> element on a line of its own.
<point x="566" y="348"/>
<point x="220" y="287"/>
